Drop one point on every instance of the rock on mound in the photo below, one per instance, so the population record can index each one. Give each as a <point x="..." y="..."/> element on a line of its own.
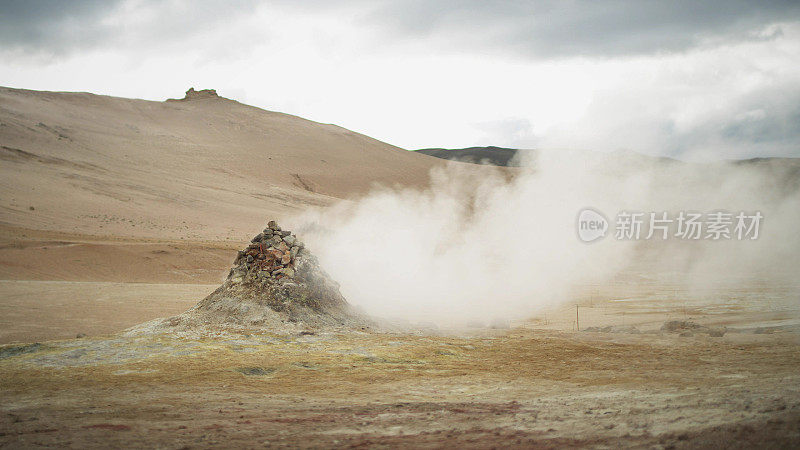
<point x="275" y="283"/>
<point x="686" y="328"/>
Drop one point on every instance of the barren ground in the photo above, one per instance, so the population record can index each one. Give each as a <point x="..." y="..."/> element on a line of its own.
<point x="537" y="383"/>
<point x="514" y="388"/>
<point x="117" y="211"/>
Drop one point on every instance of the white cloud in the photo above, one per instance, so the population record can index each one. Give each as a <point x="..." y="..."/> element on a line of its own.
<point x="718" y="96"/>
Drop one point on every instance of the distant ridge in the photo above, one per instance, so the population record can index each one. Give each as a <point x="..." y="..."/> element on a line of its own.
<point x="496" y="156"/>
<point x="505" y="157"/>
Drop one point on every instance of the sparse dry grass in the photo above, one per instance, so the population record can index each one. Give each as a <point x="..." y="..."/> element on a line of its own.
<point x="527" y="386"/>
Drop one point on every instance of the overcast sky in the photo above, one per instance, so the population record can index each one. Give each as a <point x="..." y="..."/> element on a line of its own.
<point x="688" y="79"/>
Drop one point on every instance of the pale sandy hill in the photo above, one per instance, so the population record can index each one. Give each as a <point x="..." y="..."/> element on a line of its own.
<point x="116" y="211"/>
<point x="205" y="168"/>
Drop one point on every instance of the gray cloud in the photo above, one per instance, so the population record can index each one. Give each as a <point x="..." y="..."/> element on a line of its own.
<point x="763" y="119"/>
<point x="554" y="28"/>
<point x="763" y="123"/>
<point x="544" y="28"/>
<point x="54" y="28"/>
<point x="51" y="24"/>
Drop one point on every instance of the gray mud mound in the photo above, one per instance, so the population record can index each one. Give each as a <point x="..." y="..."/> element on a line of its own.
<point x="687" y="329"/>
<point x="275" y="284"/>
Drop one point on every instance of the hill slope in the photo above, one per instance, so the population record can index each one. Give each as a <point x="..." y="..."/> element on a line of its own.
<point x="103" y="165"/>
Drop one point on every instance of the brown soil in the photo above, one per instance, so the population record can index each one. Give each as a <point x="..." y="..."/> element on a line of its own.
<point x="523" y="388"/>
<point x="143" y="210"/>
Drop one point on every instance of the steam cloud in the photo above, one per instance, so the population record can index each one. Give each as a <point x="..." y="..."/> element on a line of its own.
<point x="483" y="243"/>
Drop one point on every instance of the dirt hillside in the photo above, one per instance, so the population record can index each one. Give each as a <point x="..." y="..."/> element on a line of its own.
<point x="201" y="168"/>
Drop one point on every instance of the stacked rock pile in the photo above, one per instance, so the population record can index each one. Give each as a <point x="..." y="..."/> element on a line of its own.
<point x="276" y="270"/>
<point x="272" y="255"/>
<point x="275" y="283"/>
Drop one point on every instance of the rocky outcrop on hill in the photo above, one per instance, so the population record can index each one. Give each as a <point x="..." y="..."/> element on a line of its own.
<point x="191" y="94"/>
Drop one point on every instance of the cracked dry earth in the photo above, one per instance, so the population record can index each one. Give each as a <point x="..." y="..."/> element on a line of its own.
<point x="517" y="388"/>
